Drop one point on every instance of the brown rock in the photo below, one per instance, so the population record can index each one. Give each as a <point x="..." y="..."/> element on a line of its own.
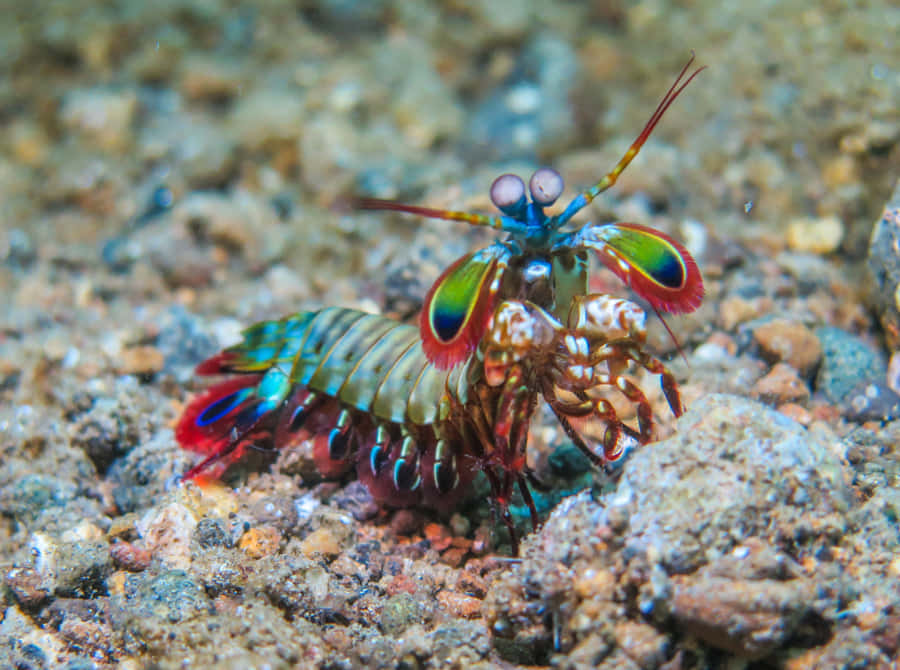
<point x="321" y="542"/>
<point x="815" y="235"/>
<point x="438" y="535"/>
<point x="206" y="78"/>
<point x="141" y="361"/>
<point x="400" y="584"/>
<point x="848" y="648"/>
<point x="781" y="386"/>
<point x="261" y="541"/>
<point x="825" y="413"/>
<point x="748" y="618"/>
<point x="407" y="521"/>
<point x="454" y="556"/>
<point x="734" y="311"/>
<point x="471" y="585"/>
<point x="791" y="342"/>
<point x="796" y="412"/>
<point x="28" y="587"/>
<point x="89" y="636"/>
<point x="641" y="642"/>
<point x="129" y="556"/>
<point x="460" y="605"/>
<point x="595" y="584"/>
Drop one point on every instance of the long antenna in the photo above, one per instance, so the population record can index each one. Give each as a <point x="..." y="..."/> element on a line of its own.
<point x="612" y="176"/>
<point x="446" y="214"/>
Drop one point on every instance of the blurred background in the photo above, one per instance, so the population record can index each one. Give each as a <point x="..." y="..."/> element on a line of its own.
<point x="173" y="171"/>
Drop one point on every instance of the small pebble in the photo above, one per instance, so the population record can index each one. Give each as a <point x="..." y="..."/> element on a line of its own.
<point x="398" y="613"/>
<point x="260" y="541"/>
<point x="847" y="361"/>
<point x="401" y="583"/>
<point x="438" y="535"/>
<point x="816" y="236"/>
<point x="102" y="116"/>
<point x="735" y="310"/>
<point x="320" y="542"/>
<point x="81" y="569"/>
<point x="781" y="385"/>
<point x="471" y="585"/>
<point x="142" y="360"/>
<point x="871" y="400"/>
<point x="129" y="557"/>
<point x="482" y="542"/>
<point x="884" y="269"/>
<point x="643" y="643"/>
<point x="825" y="413"/>
<point x="460" y="605"/>
<point x="30" y="589"/>
<point x="840" y="171"/>
<point x="789" y="341"/>
<point x="211" y="78"/>
<point x="460" y="525"/>
<point x="28" y="141"/>
<point x="454" y="556"/>
<point x="894" y="567"/>
<point x="796" y="412"/>
<point x="167" y="534"/>
<point x="211" y="532"/>
<point x="406" y="522"/>
<point x="267" y="117"/>
<point x="595" y="584"/>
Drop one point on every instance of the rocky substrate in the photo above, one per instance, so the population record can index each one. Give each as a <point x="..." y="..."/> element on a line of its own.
<point x="170" y="173"/>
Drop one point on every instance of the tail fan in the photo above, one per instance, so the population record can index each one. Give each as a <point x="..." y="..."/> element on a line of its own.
<point x="221" y="422"/>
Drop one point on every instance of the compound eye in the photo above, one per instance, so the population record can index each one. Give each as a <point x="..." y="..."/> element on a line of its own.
<point x="546" y="186"/>
<point x="508" y="194"/>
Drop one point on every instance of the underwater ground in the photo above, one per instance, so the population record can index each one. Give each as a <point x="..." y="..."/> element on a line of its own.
<point x="168" y="175"/>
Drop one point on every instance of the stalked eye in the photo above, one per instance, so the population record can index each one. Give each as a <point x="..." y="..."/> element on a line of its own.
<point x="508" y="194"/>
<point x="546" y="186"/>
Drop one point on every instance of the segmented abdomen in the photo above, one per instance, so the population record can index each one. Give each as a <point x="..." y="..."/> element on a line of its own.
<point x="368" y="361"/>
<point x="358" y="383"/>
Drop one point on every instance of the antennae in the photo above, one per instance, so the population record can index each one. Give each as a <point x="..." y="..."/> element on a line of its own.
<point x="671" y="334"/>
<point x="610" y="178"/>
<point x="446" y="214"/>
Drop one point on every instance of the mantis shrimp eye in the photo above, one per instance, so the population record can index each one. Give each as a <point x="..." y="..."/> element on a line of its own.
<point x="508" y="194"/>
<point x="546" y="186"/>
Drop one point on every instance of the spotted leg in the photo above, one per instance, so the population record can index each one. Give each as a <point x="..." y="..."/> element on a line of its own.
<point x="515" y="407"/>
<point x="615" y="354"/>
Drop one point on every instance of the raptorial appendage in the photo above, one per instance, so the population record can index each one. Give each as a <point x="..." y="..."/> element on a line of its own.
<point x="572" y="365"/>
